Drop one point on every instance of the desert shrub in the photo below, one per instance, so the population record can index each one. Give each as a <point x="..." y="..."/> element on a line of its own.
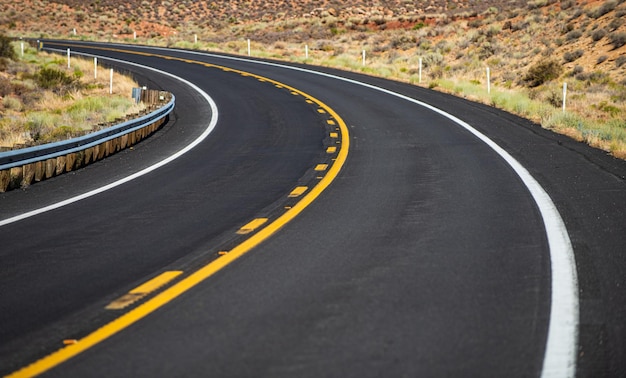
<point x="542" y="72"/>
<point x="5" y="87"/>
<point x="571" y="56"/>
<point x="602" y="59"/>
<point x="11" y="102"/>
<point x="620" y="60"/>
<point x="567" y="28"/>
<point x="573" y="35"/>
<point x="519" y="26"/>
<point x="6" y="49"/>
<point x="616" y="23"/>
<point x="535" y="4"/>
<point x="555" y="98"/>
<point x="577" y="70"/>
<point x="598" y="34"/>
<point x="599" y="77"/>
<point x="51" y="78"/>
<point x="602" y="9"/>
<point x="432" y="60"/>
<point x="475" y="23"/>
<point x="487" y="50"/>
<point x="617" y="39"/>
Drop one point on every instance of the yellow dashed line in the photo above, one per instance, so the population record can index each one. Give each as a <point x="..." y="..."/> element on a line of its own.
<point x="321" y="167"/>
<point x="248" y="228"/>
<point x="331" y="150"/>
<point x="298" y="191"/>
<point x="143" y="290"/>
<point x="131" y="317"/>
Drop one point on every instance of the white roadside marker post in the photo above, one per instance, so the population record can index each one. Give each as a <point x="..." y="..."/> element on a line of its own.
<point x="419" y="75"/>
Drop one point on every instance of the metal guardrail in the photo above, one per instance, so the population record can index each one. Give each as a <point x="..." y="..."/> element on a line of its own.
<point x="21" y="168"/>
<point x="29" y="155"/>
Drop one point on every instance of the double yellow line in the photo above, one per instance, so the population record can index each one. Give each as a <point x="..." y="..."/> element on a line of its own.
<point x="169" y="294"/>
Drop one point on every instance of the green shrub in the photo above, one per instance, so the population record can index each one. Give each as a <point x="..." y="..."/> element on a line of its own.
<point x="542" y="72"/>
<point x="51" y="78"/>
<point x="6" y="48"/>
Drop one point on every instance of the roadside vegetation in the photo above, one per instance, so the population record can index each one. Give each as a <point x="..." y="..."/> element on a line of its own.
<point x="42" y="100"/>
<point x="531" y="47"/>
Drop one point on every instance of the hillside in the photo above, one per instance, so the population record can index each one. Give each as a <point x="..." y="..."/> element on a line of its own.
<point x="531" y="47"/>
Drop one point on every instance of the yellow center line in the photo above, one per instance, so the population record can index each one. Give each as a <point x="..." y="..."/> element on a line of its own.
<point x="331" y="150"/>
<point x="169" y="294"/>
<point x="321" y="167"/>
<point x="334" y="135"/>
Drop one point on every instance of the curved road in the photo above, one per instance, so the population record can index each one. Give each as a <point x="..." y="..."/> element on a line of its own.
<point x="426" y="256"/>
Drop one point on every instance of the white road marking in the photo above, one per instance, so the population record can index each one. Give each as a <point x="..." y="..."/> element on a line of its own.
<point x="205" y="133"/>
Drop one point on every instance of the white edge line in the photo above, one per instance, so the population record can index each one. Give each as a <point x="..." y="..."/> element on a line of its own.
<point x="205" y="133"/>
<point x="562" y="340"/>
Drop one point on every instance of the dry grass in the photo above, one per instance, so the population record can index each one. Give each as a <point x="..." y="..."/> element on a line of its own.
<point x="456" y="41"/>
<point x="33" y="115"/>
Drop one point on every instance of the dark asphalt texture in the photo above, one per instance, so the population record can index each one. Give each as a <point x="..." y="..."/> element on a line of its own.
<point x="426" y="256"/>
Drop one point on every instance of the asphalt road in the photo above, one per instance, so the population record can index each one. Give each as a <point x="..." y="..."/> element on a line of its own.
<point x="426" y="256"/>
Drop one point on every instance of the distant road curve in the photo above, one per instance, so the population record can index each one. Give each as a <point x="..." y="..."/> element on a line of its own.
<point x="480" y="217"/>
